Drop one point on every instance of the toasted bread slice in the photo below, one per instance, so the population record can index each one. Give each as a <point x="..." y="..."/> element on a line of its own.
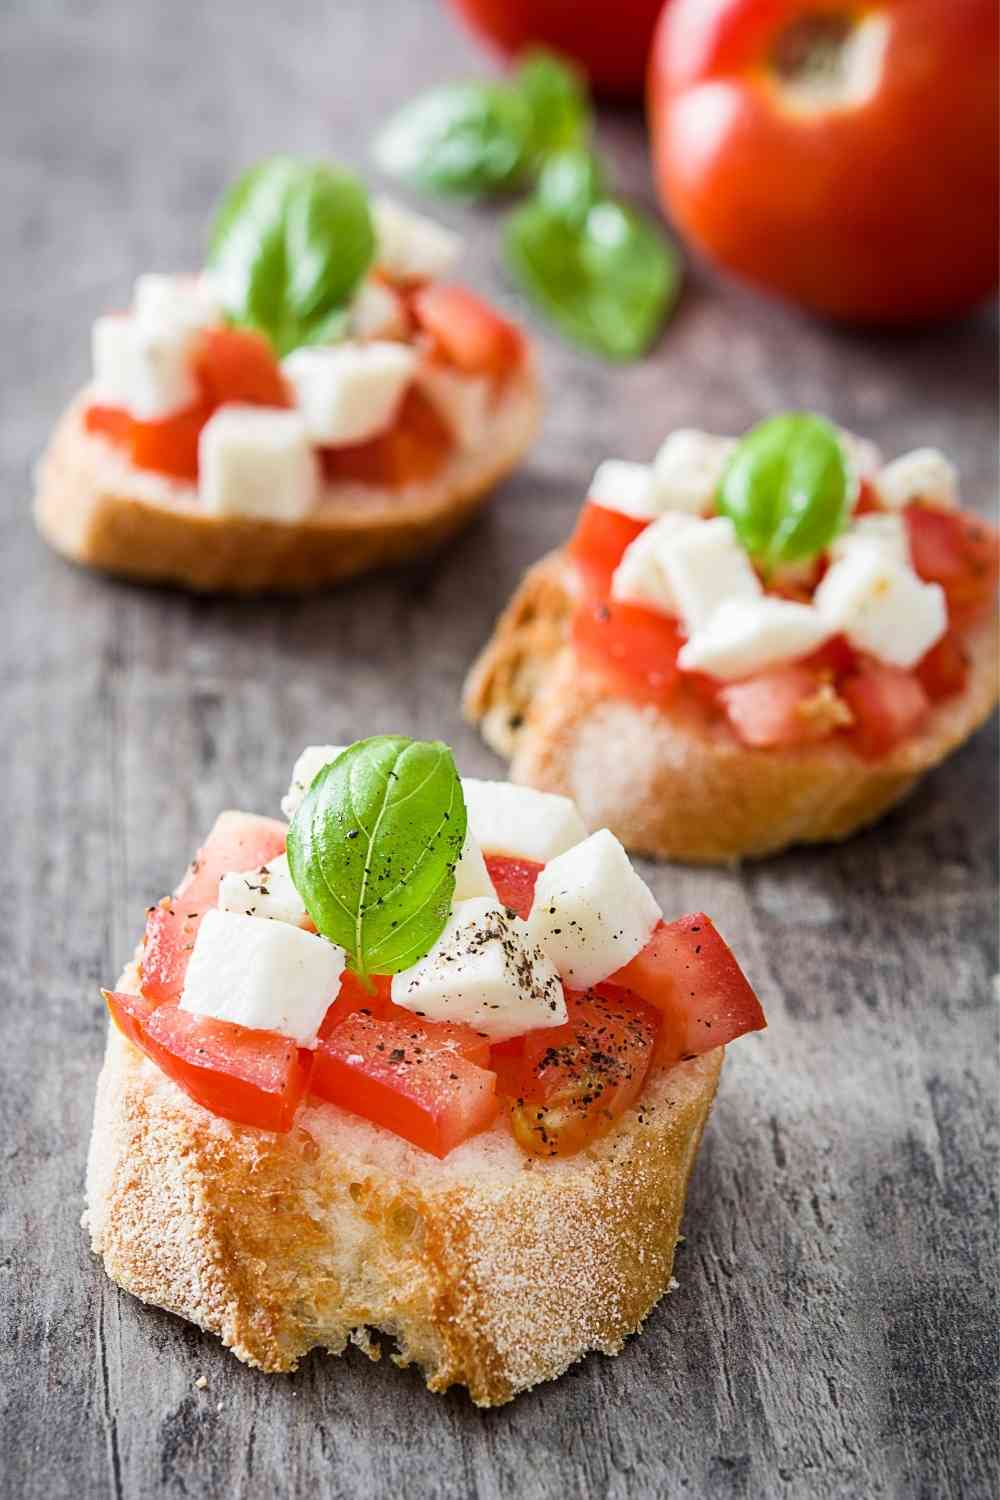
<point x="93" y="506"/>
<point x="676" y="785"/>
<point x="490" y="1269"/>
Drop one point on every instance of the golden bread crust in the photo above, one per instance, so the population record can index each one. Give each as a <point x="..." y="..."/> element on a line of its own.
<point x="95" y="509"/>
<point x="676" y="787"/>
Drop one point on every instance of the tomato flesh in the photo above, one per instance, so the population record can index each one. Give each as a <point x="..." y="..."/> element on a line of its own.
<point x="413" y="448"/>
<point x="688" y="972"/>
<point x="597" y="545"/>
<point x="514" y="881"/>
<point x="470" y="335"/>
<point x="634" y="648"/>
<point x="238" y="365"/>
<point x="888" y="705"/>
<point x="960" y="552"/>
<point x="945" y="668"/>
<point x="400" y="1077"/>
<point x="355" y="999"/>
<point x="767" y="710"/>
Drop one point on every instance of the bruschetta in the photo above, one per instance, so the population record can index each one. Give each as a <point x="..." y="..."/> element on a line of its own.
<point x="427" y="1062"/>
<point x="747" y="645"/>
<point x="267" y="425"/>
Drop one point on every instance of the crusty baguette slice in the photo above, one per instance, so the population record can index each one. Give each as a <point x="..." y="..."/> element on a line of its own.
<point x="93" y="506"/>
<point x="681" y="787"/>
<point x="490" y="1269"/>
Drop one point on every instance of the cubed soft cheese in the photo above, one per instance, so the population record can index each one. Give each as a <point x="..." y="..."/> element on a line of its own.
<point x="625" y="487"/>
<point x="484" y="970"/>
<point x="885" y="532"/>
<point x="592" y="911"/>
<point x="471" y="875"/>
<point x="882" y="607"/>
<point x="268" y="892"/>
<point x="146" y="370"/>
<point x="266" y="975"/>
<point x="688" y="470"/>
<point x="179" y="302"/>
<point x="462" y="401"/>
<point x="377" y="312"/>
<point x="925" y="474"/>
<point x="705" y="566"/>
<point x="744" y="636"/>
<point x="639" y="577"/>
<point x="304" y="773"/>
<point x="348" y="393"/>
<point x="257" y="461"/>
<point x="520" y="821"/>
<point x="409" y="246"/>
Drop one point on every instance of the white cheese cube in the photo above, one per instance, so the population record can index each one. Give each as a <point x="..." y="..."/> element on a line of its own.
<point x="625" y="487"/>
<point x="471" y="875"/>
<point x="266" y="975"/>
<point x="520" y="821"/>
<point x="925" y="475"/>
<point x="347" y="393"/>
<point x="409" y="246"/>
<point x="178" y="302"/>
<point x="257" y="461"/>
<point x="639" y="577"/>
<point x="484" y="971"/>
<point x="268" y="892"/>
<point x="746" y="635"/>
<point x="705" y="566"/>
<point x="463" y="401"/>
<point x="688" y="470"/>
<point x="882" y="607"/>
<point x="886" y="533"/>
<point x="592" y="912"/>
<point x="146" y="370"/>
<point x="304" y="773"/>
<point x="377" y="312"/>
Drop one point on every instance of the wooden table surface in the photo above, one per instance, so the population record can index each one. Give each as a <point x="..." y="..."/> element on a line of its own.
<point x="834" y="1332"/>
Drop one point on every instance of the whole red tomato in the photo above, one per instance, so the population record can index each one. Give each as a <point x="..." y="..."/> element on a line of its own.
<point x="608" y="38"/>
<point x="843" y="155"/>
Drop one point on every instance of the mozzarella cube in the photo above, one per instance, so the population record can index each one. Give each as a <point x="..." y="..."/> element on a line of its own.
<point x="268" y="892"/>
<point x="265" y="975"/>
<point x="471" y="875"/>
<point x="925" y="475"/>
<point x="592" y="912"/>
<point x="377" y="312"/>
<point x="409" y="246"/>
<point x="520" y="821"/>
<point x="257" y="461"/>
<point x="485" y="971"/>
<point x="882" y="607"/>
<point x="886" y="533"/>
<point x="625" y="487"/>
<point x="146" y="370"/>
<point x="463" y="401"/>
<point x="304" y="773"/>
<point x="688" y="470"/>
<point x="178" y="302"/>
<point x="746" y="635"/>
<point x="639" y="577"/>
<point x="705" y="566"/>
<point x="347" y="393"/>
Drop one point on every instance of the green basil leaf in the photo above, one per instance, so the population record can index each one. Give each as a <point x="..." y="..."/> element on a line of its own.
<point x="556" y="96"/>
<point x="607" y="283"/>
<point x="786" y="488"/>
<point x="463" y="138"/>
<point x="571" y="182"/>
<point x="373" y="846"/>
<point x="290" y="244"/>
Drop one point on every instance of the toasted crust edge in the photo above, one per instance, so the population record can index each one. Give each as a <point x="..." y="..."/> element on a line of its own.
<point x="670" y="788"/>
<point x="94" y="509"/>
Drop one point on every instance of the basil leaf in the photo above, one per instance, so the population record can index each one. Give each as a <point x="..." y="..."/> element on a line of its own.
<point x="373" y="846"/>
<point x="556" y="97"/>
<point x="786" y="488"/>
<point x="464" y="138"/>
<point x="290" y="244"/>
<point x="571" y="182"/>
<point x="608" y="283"/>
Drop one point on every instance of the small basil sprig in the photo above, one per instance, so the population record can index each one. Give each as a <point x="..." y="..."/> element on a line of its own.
<point x="786" y="489"/>
<point x="290" y="244"/>
<point x="373" y="846"/>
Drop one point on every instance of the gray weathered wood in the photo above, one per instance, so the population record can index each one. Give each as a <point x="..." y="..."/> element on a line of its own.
<point x="834" y="1332"/>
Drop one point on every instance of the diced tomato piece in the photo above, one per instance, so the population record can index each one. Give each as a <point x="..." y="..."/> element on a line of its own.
<point x="354" y="999"/>
<point x="397" y="1076"/>
<point x="783" y="706"/>
<point x="238" y="365"/>
<point x="130" y="1013"/>
<point x="413" y="448"/>
<point x="110" y="421"/>
<point x="888" y="704"/>
<point x="836" y="656"/>
<point x="598" y="542"/>
<point x="867" y="501"/>
<point x="238" y="841"/>
<point x="447" y="1036"/>
<point x="961" y="553"/>
<point x="687" y="970"/>
<point x="635" y="648"/>
<point x="574" y="1081"/>
<point x="514" y="881"/>
<point x="170" y="446"/>
<point x="470" y="334"/>
<point x="943" y="671"/>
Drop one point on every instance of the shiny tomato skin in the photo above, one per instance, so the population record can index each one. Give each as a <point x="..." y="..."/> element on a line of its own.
<point x="609" y="42"/>
<point x="354" y="999"/>
<point x="878" y="211"/>
<point x="469" y="334"/>
<point x="959" y="551"/>
<point x="888" y="704"/>
<point x="689" y="973"/>
<point x="412" y="449"/>
<point x="945" y="669"/>
<point x="634" y="648"/>
<point x="170" y="446"/>
<point x="597" y="544"/>
<point x="390" y="1074"/>
<point x="108" y="421"/>
<point x="239" y="365"/>
<point x="130" y="1013"/>
<point x="514" y="881"/>
<point x="766" y="710"/>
